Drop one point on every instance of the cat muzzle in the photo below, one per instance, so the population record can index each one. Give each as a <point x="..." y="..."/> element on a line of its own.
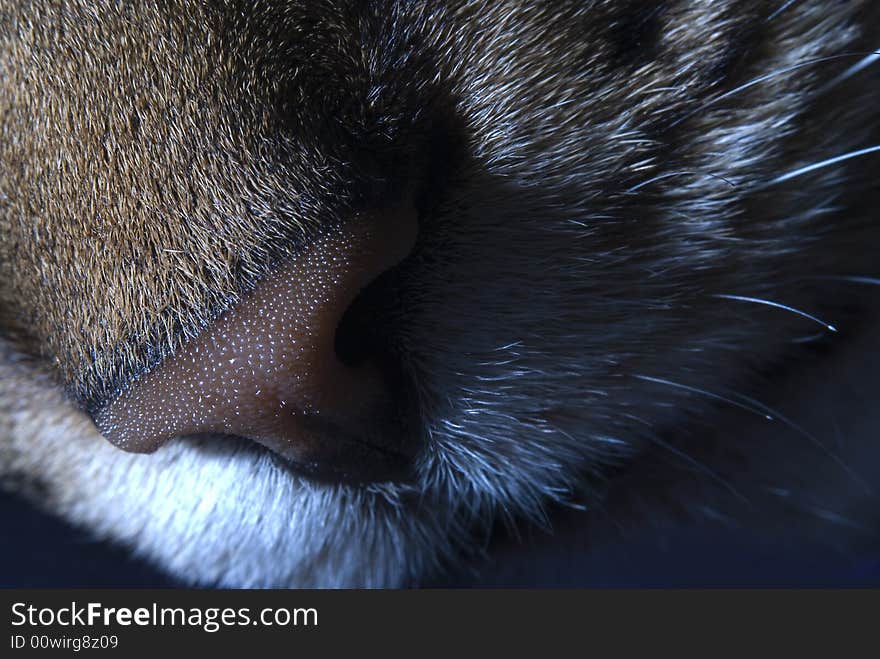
<point x="268" y="370"/>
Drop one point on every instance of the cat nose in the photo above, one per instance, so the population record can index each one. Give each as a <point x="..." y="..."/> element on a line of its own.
<point x="267" y="369"/>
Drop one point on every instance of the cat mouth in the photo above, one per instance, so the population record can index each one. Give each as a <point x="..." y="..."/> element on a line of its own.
<point x="389" y="466"/>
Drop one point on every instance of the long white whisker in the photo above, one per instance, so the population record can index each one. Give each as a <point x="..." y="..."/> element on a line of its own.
<point x="819" y="165"/>
<point x="778" y="305"/>
<point x="760" y="79"/>
<point x="757" y="407"/>
<point x="811" y="437"/>
<point x="700" y="467"/>
<point x="856" y="279"/>
<point x="703" y="392"/>
<point x="663" y="176"/>
<point x="779" y="10"/>
<point x="851" y="71"/>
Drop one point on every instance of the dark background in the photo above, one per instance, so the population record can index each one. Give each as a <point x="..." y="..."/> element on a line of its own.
<point x="37" y="550"/>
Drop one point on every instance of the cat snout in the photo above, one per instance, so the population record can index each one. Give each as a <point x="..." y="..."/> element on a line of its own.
<point x="270" y="370"/>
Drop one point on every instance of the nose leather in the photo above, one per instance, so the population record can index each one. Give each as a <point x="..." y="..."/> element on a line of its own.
<point x="267" y="369"/>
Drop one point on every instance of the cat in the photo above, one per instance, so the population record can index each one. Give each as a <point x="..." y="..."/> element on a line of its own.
<point x="349" y="287"/>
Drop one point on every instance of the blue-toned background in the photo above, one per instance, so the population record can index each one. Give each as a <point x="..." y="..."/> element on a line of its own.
<point x="39" y="551"/>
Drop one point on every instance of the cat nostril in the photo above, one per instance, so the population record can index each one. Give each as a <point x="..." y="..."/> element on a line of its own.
<point x="367" y="326"/>
<point x="355" y="342"/>
<point x="283" y="369"/>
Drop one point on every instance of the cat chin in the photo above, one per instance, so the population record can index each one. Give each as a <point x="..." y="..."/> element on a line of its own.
<point x="234" y="518"/>
<point x="215" y="511"/>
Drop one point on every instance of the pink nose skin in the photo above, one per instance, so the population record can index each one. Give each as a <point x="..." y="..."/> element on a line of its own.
<point x="267" y="369"/>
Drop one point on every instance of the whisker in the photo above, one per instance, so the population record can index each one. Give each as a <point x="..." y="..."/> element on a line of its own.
<point x="811" y="437"/>
<point x="780" y="9"/>
<point x="856" y="279"/>
<point x="778" y="305"/>
<point x="757" y="407"/>
<point x="851" y="71"/>
<point x="700" y="467"/>
<point x="704" y="392"/>
<point x="812" y="338"/>
<point x="663" y="176"/>
<point x="819" y="165"/>
<point x="835" y="518"/>
<point x="763" y="78"/>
